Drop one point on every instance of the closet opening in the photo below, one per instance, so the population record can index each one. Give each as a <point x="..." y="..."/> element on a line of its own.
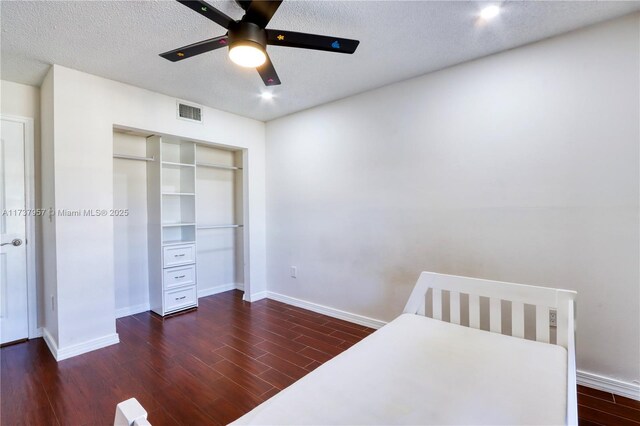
<point x="182" y="233"/>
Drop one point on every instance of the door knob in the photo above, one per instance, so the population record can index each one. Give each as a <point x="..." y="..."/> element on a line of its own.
<point x="16" y="242"/>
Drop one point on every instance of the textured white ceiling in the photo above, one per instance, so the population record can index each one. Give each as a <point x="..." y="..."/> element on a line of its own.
<point x="121" y="40"/>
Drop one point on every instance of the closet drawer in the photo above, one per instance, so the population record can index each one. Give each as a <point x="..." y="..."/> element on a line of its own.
<point x="180" y="298"/>
<point x="179" y="276"/>
<point x="179" y="255"/>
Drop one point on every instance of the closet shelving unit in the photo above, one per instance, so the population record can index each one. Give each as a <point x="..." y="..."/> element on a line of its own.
<point x="171" y="210"/>
<point x="195" y="237"/>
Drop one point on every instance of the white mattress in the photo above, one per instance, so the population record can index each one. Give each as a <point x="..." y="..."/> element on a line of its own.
<point x="417" y="370"/>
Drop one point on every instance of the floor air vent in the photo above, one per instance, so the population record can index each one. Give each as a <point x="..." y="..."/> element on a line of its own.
<point x="189" y="112"/>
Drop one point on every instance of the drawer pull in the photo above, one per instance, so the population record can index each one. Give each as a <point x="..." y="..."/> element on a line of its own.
<point x="180" y="298"/>
<point x="181" y="276"/>
<point x="178" y="255"/>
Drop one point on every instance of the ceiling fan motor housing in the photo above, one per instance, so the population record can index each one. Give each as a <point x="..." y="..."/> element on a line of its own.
<point x="247" y="33"/>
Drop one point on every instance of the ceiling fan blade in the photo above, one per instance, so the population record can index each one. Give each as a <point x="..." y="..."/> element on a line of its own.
<point x="208" y="11"/>
<point x="196" y="48"/>
<point x="311" y="41"/>
<point x="261" y="11"/>
<point x="268" y="73"/>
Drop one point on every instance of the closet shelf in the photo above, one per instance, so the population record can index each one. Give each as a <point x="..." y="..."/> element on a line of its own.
<point x="219" y="166"/>
<point x="169" y="225"/>
<point x="171" y="163"/>
<point x="133" y="157"/>
<point x="178" y="193"/>
<point x="219" y="226"/>
<point x="177" y="242"/>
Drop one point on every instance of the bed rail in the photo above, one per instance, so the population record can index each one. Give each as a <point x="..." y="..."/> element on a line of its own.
<point x="130" y="413"/>
<point x="544" y="299"/>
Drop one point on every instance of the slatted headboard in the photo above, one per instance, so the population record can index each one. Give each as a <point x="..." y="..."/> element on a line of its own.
<point x="544" y="299"/>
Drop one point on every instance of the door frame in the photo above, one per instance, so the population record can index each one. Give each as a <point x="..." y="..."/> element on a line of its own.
<point x="30" y="220"/>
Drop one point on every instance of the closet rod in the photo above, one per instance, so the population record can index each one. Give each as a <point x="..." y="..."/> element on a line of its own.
<point x="219" y="166"/>
<point x="219" y="226"/>
<point x="133" y="157"/>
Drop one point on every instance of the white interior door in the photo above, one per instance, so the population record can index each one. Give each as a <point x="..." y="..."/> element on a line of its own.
<point x="14" y="314"/>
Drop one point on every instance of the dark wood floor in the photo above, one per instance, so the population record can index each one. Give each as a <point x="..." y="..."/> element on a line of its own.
<point x="205" y="367"/>
<point x="596" y="407"/>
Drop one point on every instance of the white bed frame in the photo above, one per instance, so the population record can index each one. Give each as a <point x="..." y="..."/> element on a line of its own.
<point x="544" y="299"/>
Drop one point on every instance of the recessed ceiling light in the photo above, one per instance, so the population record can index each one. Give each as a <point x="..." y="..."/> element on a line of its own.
<point x="490" y="12"/>
<point x="267" y="96"/>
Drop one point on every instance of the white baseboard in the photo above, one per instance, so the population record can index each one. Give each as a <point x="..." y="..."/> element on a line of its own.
<point x="326" y="310"/>
<point x="217" y="289"/>
<point x="50" y="341"/>
<point x="132" y="310"/>
<point x="617" y="387"/>
<point x="79" y="348"/>
<point x="35" y="333"/>
<point x="255" y="296"/>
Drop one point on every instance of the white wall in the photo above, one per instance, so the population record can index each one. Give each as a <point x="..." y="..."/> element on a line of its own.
<point x="86" y="108"/>
<point x="521" y="167"/>
<point x="22" y="100"/>
<point x="49" y="271"/>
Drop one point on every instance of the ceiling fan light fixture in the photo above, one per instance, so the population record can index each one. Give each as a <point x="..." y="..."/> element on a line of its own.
<point x="248" y="38"/>
<point x="247" y="54"/>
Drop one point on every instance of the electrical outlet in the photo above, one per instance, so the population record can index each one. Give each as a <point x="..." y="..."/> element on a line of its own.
<point x="293" y="271"/>
<point x="553" y="318"/>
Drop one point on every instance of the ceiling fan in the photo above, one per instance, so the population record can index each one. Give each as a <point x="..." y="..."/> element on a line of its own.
<point x="248" y="38"/>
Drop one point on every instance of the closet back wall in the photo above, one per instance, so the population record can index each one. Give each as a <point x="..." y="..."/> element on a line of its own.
<point x="219" y="202"/>
<point x="131" y="273"/>
<point x="522" y="167"/>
